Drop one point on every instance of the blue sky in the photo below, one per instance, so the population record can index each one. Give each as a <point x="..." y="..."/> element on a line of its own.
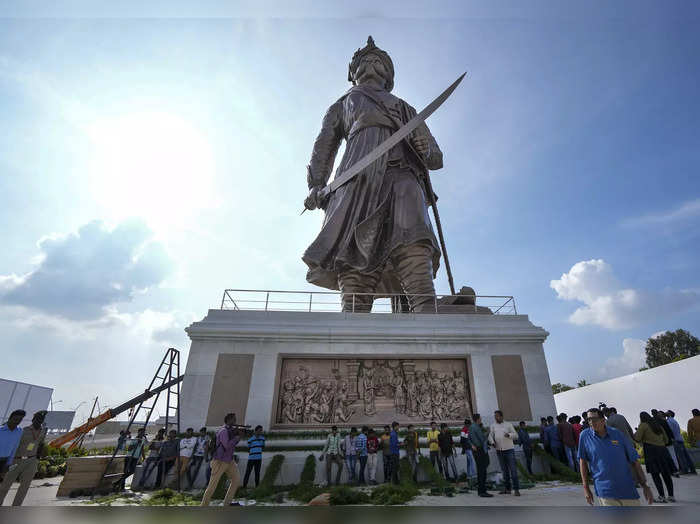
<point x="150" y="159"/>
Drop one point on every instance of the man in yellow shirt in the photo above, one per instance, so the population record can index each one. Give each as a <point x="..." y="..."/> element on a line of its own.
<point x="433" y="446"/>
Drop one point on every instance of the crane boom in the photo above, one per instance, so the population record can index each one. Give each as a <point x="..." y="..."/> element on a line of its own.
<point x="110" y="414"/>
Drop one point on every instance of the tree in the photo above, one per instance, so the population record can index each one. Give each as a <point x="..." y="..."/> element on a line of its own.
<point x="581" y="383"/>
<point x="559" y="388"/>
<point x="672" y="346"/>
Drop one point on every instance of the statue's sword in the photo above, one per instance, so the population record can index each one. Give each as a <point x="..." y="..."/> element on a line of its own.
<point x="385" y="146"/>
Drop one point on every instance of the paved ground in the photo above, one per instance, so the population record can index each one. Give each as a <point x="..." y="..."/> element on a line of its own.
<point x="43" y="493"/>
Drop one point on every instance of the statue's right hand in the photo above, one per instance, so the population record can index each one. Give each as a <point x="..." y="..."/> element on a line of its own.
<point x="312" y="201"/>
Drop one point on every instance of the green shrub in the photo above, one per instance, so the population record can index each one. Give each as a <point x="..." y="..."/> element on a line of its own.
<point x="391" y="494"/>
<point x="305" y="490"/>
<point x="345" y="495"/>
<point x="435" y="477"/>
<point x="266" y="487"/>
<point x="561" y="471"/>
<point x="168" y="497"/>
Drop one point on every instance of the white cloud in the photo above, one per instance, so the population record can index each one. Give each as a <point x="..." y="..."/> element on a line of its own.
<point x="685" y="211"/>
<point x="632" y="359"/>
<point x="608" y="304"/>
<point x="148" y="325"/>
<point x="80" y="275"/>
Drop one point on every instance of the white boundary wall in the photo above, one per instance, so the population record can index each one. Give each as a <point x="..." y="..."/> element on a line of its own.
<point x="673" y="386"/>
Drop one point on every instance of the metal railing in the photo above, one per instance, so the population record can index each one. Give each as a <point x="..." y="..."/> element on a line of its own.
<point x="330" y="302"/>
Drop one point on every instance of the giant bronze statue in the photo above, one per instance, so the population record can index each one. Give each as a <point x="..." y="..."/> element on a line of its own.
<point x="377" y="238"/>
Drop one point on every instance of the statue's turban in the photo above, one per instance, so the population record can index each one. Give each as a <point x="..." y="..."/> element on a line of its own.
<point x="383" y="56"/>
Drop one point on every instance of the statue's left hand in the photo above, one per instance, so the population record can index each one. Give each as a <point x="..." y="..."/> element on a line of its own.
<point x="422" y="145"/>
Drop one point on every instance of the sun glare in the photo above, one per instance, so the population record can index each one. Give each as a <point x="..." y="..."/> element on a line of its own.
<point x="151" y="165"/>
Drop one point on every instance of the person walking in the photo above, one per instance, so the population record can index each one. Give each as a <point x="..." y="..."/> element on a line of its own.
<point x="434" y="446"/>
<point x="153" y="458"/>
<point x="466" y="443"/>
<point x="481" y="454"/>
<point x="224" y="462"/>
<point x="447" y="456"/>
<point x="566" y="434"/>
<point x="685" y="462"/>
<point x="26" y="459"/>
<point x="656" y="458"/>
<point x="607" y="455"/>
<point x="501" y="435"/>
<point x="394" y="450"/>
<point x="693" y="428"/>
<point x="660" y="416"/>
<point x="525" y="444"/>
<point x="256" y="445"/>
<point x="333" y="454"/>
<point x="361" y="451"/>
<point x="372" y="454"/>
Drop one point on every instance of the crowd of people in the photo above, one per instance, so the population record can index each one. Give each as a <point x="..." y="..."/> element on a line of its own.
<point x="600" y="444"/>
<point x="359" y="452"/>
<point x="189" y="453"/>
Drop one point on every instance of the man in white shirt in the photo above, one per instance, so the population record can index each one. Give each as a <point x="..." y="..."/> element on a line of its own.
<point x="187" y="444"/>
<point x="501" y="436"/>
<point x="198" y="456"/>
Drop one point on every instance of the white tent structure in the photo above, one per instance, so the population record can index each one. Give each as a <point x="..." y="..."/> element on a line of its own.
<point x="673" y="386"/>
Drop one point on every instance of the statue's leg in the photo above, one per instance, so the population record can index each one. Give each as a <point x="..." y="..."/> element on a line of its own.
<point x="414" y="265"/>
<point x="354" y="286"/>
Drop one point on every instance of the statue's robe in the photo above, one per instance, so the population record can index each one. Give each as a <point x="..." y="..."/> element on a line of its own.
<point x="380" y="209"/>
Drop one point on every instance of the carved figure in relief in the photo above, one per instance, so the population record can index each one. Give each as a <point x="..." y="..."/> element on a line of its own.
<point x="411" y="397"/>
<point x="368" y="389"/>
<point x="288" y="402"/>
<point x="425" y="406"/>
<point x="399" y="395"/>
<point x="421" y="394"/>
<point x="342" y="405"/>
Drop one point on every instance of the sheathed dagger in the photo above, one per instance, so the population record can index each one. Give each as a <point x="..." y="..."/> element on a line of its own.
<point x="385" y="146"/>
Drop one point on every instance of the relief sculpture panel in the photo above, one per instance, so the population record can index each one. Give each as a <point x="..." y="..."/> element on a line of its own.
<point x="324" y="391"/>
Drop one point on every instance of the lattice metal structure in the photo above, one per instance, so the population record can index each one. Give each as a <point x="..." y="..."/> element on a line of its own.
<point x="166" y="379"/>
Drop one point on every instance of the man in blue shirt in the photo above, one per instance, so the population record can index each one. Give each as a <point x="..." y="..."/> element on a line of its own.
<point x="552" y="440"/>
<point x="10" y="434"/>
<point x="394" y="452"/>
<point x="607" y="454"/>
<point x="256" y="444"/>
<point x="361" y="450"/>
<point x="481" y="454"/>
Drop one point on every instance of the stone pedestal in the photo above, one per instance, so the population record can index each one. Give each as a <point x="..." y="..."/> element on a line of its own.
<point x="235" y="363"/>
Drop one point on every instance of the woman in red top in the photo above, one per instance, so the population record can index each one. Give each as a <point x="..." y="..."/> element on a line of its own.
<point x="372" y="448"/>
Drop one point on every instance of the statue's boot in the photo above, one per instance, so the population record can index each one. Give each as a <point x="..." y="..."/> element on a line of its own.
<point x="354" y="288"/>
<point x="413" y="264"/>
